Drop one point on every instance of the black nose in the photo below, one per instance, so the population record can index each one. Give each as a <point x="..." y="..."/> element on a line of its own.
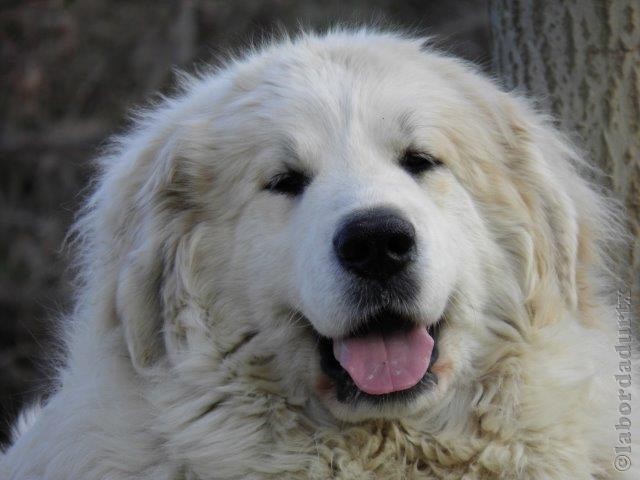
<point x="376" y="243"/>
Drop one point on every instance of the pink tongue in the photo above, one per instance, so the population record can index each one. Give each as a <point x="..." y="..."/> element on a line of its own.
<point x="383" y="363"/>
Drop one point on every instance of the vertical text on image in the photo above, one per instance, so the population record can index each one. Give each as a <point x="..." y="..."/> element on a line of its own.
<point x="622" y="460"/>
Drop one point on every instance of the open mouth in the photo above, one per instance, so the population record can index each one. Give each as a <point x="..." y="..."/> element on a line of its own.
<point x="388" y="359"/>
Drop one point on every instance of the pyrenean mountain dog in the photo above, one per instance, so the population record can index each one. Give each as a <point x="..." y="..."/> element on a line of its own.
<point x="340" y="256"/>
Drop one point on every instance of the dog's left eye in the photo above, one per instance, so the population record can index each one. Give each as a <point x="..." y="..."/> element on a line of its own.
<point x="416" y="163"/>
<point x="290" y="183"/>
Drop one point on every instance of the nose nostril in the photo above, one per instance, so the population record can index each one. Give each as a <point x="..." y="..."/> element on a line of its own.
<point x="399" y="244"/>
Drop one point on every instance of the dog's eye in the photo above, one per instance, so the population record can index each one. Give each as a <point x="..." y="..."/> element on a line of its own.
<point x="290" y="183"/>
<point x="417" y="163"/>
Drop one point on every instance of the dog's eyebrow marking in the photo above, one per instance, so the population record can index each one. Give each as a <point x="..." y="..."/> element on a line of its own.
<point x="288" y="147"/>
<point x="290" y="157"/>
<point x="406" y="123"/>
<point x="246" y="338"/>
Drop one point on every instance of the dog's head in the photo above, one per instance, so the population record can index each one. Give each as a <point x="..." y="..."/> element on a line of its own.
<point x="374" y="220"/>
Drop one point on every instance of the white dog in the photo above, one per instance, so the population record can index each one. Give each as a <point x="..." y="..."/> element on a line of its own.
<point x="341" y="256"/>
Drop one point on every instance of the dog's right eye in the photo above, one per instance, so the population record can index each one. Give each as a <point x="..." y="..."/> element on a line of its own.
<point x="290" y="183"/>
<point x="417" y="163"/>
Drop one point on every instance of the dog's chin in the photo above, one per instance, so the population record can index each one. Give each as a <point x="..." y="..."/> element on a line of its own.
<point x="348" y="401"/>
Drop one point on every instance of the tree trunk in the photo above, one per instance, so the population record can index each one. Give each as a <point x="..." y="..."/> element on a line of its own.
<point x="581" y="61"/>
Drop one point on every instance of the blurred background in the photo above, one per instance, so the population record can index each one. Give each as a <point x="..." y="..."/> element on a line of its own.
<point x="70" y="71"/>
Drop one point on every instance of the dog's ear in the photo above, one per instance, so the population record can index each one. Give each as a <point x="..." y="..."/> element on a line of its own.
<point x="162" y="190"/>
<point x="144" y="241"/>
<point x="554" y="214"/>
<point x="138" y="303"/>
<point x="566" y="214"/>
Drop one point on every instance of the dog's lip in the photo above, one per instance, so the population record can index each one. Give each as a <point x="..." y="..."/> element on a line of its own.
<point x="386" y="320"/>
<point x="383" y="320"/>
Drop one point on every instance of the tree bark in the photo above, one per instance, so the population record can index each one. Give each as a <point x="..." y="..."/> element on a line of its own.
<point x="581" y="61"/>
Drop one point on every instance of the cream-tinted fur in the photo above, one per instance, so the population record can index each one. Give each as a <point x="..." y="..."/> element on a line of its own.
<point x="191" y="352"/>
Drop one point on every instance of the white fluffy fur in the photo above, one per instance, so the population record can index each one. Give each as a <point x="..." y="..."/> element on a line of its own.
<point x="185" y="359"/>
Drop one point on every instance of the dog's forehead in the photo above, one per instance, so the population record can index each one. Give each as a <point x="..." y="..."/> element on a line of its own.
<point x="326" y="101"/>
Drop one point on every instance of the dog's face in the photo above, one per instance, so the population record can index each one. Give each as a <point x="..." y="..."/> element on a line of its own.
<point x="348" y="218"/>
<point x="342" y="195"/>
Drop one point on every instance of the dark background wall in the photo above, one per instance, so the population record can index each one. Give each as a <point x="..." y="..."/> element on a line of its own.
<point x="69" y="72"/>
